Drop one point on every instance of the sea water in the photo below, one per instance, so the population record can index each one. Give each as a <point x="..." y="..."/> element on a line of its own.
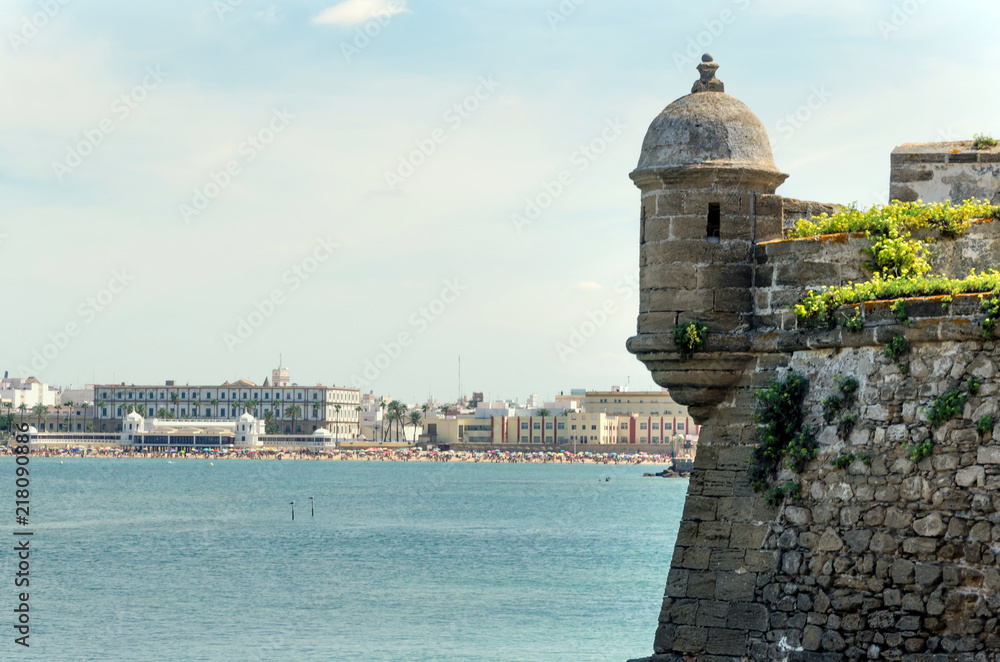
<point x="180" y="561"/>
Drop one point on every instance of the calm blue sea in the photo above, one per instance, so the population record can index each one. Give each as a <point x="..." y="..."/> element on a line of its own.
<point x="151" y="560"/>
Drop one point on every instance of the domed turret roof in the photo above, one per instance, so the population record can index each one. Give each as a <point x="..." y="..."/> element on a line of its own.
<point x="246" y="417"/>
<point x="133" y="416"/>
<point x="707" y="127"/>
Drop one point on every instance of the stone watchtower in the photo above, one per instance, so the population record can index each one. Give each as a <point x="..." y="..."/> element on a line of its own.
<point x="707" y="179"/>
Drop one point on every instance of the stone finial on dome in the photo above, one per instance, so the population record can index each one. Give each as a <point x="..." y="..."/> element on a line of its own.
<point x="708" y="81"/>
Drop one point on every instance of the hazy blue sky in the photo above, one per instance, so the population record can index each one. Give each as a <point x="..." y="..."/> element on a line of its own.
<point x="120" y="221"/>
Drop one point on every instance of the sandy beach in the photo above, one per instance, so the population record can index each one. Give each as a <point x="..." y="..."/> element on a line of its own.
<point x="362" y="455"/>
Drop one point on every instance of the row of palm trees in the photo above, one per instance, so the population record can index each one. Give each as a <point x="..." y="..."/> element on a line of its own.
<point x="397" y="414"/>
<point x="8" y="418"/>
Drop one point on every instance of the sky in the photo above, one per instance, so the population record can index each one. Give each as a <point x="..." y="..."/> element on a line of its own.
<point x="378" y="190"/>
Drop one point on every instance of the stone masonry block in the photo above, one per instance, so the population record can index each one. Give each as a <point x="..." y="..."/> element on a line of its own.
<point x="726" y="642"/>
<point x="677" y="583"/>
<point x="687" y="300"/>
<point x="713" y="613"/>
<point x="735" y="587"/>
<point x="690" y="639"/>
<point x="720" y="275"/>
<point x="748" y="536"/>
<point x="733" y="300"/>
<point x="744" y="616"/>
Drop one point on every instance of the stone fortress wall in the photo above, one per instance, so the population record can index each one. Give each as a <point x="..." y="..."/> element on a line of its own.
<point x="885" y="558"/>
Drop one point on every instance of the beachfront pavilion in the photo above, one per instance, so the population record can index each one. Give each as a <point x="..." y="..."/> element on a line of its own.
<point x="159" y="434"/>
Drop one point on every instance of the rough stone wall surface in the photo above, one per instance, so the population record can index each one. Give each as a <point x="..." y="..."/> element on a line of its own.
<point x="786" y="269"/>
<point x="888" y="559"/>
<point x="935" y="172"/>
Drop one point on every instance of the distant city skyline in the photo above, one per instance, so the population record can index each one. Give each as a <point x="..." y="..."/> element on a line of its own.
<point x="374" y="188"/>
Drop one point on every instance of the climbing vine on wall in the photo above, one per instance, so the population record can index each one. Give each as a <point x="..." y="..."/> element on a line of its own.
<point x="781" y="435"/>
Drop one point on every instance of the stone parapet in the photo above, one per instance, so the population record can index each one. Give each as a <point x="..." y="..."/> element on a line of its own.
<point x="935" y="172"/>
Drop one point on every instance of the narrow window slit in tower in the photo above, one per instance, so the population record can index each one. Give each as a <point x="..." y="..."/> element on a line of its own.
<point x="714" y="222"/>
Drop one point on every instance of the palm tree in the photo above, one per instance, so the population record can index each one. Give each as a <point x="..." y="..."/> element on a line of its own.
<point x="359" y="409"/>
<point x="174" y="398"/>
<point x="383" y="405"/>
<point x="8" y="421"/>
<point x="399" y="409"/>
<point x="315" y="407"/>
<point x="415" y="421"/>
<point x="390" y="418"/>
<point x="270" y="427"/>
<point x="195" y="406"/>
<point x="56" y="409"/>
<point x="69" y="423"/>
<point x="40" y="410"/>
<point x="141" y="410"/>
<point x="162" y="412"/>
<point x="85" y="406"/>
<point x="215" y="407"/>
<point x="336" y="408"/>
<point x="253" y="404"/>
<point x="22" y="408"/>
<point x="424" y="408"/>
<point x="276" y="403"/>
<point x="293" y="411"/>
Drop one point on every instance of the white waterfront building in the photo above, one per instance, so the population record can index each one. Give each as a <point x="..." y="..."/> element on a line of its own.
<point x="294" y="409"/>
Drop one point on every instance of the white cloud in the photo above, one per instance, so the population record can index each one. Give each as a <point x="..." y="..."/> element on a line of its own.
<point x="353" y="12"/>
<point x="588" y="286"/>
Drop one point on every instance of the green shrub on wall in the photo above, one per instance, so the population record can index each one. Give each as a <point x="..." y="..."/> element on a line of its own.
<point x="780" y="432"/>
<point x="690" y="338"/>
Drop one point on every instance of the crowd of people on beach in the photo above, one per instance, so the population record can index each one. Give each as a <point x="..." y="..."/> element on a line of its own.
<point x="354" y="454"/>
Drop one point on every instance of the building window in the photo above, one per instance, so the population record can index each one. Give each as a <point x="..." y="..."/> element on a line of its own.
<point x="562" y="426"/>
<point x="548" y="439"/>
<point x="538" y="426"/>
<point x="642" y="426"/>
<point x="548" y="426"/>
<point x="656" y="426"/>
<point x="524" y="426"/>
